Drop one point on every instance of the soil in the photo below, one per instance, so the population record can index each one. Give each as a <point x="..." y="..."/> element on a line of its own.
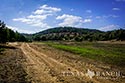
<point x="40" y="63"/>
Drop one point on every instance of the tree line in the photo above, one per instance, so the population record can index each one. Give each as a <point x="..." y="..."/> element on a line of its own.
<point x="8" y="35"/>
<point x="79" y="34"/>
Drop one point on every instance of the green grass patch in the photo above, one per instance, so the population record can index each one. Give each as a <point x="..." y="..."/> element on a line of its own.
<point x="106" y="53"/>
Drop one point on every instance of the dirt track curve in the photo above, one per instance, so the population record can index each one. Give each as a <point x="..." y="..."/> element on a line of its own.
<point x="43" y="68"/>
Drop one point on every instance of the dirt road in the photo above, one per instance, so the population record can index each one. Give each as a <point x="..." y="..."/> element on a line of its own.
<point x="47" y="65"/>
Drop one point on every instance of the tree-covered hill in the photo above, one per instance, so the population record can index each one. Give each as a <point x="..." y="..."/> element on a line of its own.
<point x="78" y="34"/>
<point x="68" y="29"/>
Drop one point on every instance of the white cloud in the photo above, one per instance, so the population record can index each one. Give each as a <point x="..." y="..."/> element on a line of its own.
<point x="87" y="20"/>
<point x="25" y="30"/>
<point x="21" y="19"/>
<point x="116" y="9"/>
<point x="89" y="11"/>
<point x="45" y="9"/>
<point x="27" y="21"/>
<point x="45" y="25"/>
<point x="107" y="16"/>
<point x="69" y="20"/>
<point x="19" y="30"/>
<point x="42" y="17"/>
<point x="109" y="27"/>
<point x="33" y="21"/>
<point x="98" y="17"/>
<point x="39" y="12"/>
<point x="38" y="17"/>
<point x="114" y="16"/>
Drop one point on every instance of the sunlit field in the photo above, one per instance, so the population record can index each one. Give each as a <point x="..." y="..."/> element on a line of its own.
<point x="105" y="52"/>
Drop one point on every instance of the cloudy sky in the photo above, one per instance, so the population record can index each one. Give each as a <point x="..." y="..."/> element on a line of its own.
<point x="30" y="16"/>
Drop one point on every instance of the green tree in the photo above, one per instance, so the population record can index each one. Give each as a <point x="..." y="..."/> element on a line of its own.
<point x="2" y="32"/>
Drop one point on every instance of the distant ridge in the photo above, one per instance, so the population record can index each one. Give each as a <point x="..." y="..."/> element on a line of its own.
<point x="77" y="34"/>
<point x="67" y="29"/>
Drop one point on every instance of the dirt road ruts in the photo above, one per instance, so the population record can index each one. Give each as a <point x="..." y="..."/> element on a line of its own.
<point x="42" y="68"/>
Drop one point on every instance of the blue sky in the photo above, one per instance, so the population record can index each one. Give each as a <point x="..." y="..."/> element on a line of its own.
<point x="30" y="16"/>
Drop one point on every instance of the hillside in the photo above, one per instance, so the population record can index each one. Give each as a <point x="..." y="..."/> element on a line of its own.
<point x="68" y="29"/>
<point x="77" y="34"/>
<point x="64" y="33"/>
